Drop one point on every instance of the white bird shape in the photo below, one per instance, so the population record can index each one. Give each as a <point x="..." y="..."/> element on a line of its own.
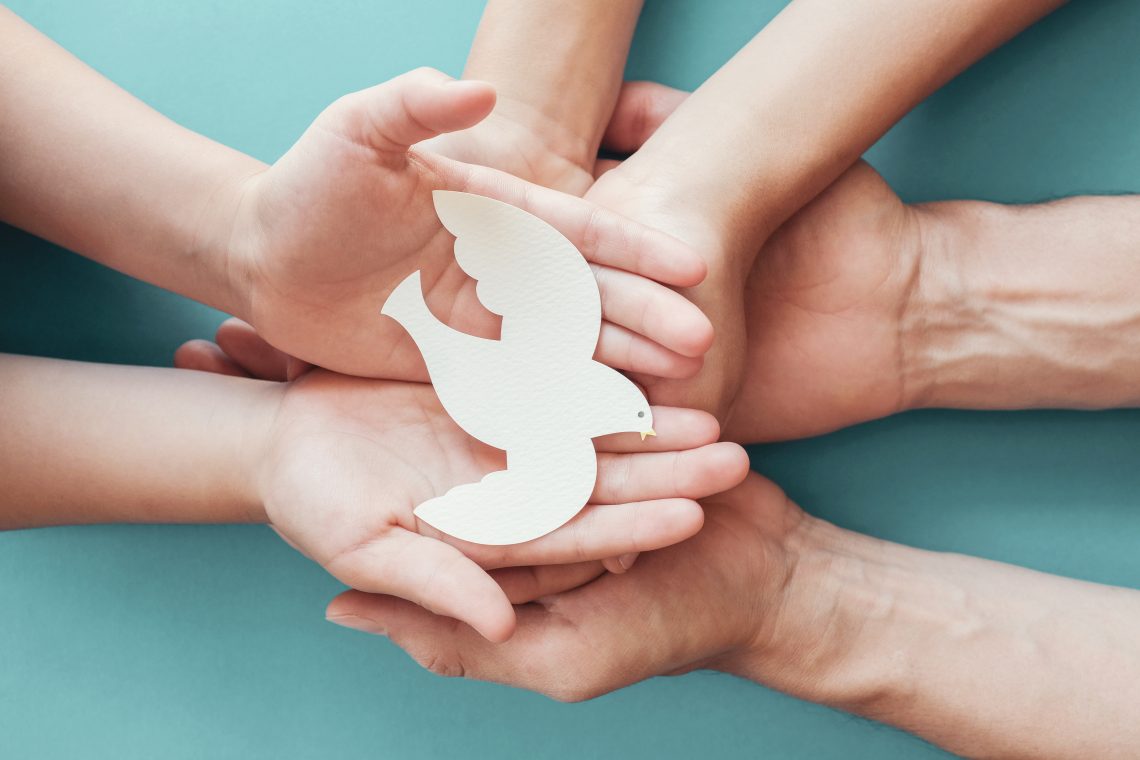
<point x="537" y="392"/>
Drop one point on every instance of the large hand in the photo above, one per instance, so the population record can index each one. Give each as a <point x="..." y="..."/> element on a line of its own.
<point x="348" y="459"/>
<point x="711" y="602"/>
<point x="819" y="324"/>
<point x="827" y="322"/>
<point x="322" y="236"/>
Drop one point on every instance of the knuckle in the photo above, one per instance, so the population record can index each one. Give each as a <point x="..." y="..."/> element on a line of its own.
<point x="571" y="690"/>
<point x="442" y="665"/>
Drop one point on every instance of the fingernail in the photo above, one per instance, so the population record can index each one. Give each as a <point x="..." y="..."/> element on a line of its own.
<point x="627" y="560"/>
<point x="357" y="623"/>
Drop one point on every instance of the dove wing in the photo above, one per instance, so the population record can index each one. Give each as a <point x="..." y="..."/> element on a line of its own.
<point x="528" y="273"/>
<point x="541" y="489"/>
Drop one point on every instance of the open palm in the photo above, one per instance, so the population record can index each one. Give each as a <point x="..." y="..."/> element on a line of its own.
<point x="323" y="235"/>
<point x="350" y="458"/>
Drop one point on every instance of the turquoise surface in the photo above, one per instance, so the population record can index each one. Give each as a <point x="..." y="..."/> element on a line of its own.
<point x="193" y="642"/>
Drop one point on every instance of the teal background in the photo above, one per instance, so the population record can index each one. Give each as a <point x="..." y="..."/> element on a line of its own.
<point x="189" y="642"/>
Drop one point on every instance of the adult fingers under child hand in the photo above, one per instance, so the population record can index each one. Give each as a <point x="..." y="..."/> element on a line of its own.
<point x="598" y="531"/>
<point x="546" y="655"/>
<point x="525" y="584"/>
<point x="641" y="108"/>
<point x="430" y="573"/>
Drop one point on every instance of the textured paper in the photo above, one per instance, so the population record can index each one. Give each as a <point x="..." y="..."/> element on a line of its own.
<point x="536" y="393"/>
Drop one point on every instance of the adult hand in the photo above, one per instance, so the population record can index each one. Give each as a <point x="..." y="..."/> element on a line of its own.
<point x="714" y="601"/>
<point x="827" y="329"/>
<point x="318" y="240"/>
<point x="347" y="460"/>
<point x="830" y="335"/>
<point x="821" y="326"/>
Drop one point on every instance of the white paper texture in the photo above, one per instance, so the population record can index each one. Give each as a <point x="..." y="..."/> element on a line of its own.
<point x="536" y="393"/>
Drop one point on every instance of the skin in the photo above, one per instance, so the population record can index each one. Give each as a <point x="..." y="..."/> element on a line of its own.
<point x="771" y="594"/>
<point x="809" y="83"/>
<point x="958" y="304"/>
<point x="775" y="126"/>
<point x="334" y="464"/>
<point x="307" y="249"/>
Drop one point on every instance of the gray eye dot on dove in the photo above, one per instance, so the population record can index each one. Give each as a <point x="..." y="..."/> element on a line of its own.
<point x="641" y="414"/>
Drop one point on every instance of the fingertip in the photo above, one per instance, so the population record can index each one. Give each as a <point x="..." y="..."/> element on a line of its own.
<point x="499" y="624"/>
<point x="727" y="465"/>
<point x="695" y="426"/>
<point x="190" y="353"/>
<point x="203" y="356"/>
<point x="700" y="335"/>
<point x="613" y="566"/>
<point x="471" y="101"/>
<point x="738" y="463"/>
<point x="692" y="271"/>
<point x="686" y="518"/>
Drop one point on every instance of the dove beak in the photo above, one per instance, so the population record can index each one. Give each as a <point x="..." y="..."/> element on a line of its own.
<point x="646" y="433"/>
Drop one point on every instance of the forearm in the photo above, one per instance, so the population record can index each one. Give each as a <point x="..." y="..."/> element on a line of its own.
<point x="985" y="659"/>
<point x="807" y="96"/>
<point x="86" y="165"/>
<point x="87" y="443"/>
<point x="1026" y="306"/>
<point x="559" y="61"/>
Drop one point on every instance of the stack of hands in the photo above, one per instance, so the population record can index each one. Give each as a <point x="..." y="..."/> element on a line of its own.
<point x="758" y="280"/>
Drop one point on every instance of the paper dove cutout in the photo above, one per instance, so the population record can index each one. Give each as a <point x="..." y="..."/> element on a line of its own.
<point x="536" y="393"/>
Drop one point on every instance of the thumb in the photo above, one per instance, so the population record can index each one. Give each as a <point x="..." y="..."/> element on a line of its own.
<point x="413" y="107"/>
<point x="432" y="574"/>
<point x="641" y="108"/>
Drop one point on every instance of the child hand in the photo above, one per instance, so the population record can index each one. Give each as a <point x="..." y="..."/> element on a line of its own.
<point x="319" y="239"/>
<point x="347" y="460"/>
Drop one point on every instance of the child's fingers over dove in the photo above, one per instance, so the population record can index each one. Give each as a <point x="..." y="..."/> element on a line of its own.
<point x="635" y="266"/>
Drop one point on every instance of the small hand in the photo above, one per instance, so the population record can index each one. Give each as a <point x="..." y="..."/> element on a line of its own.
<point x="321" y="237"/>
<point x="713" y="602"/>
<point x="818" y="326"/>
<point x="517" y="139"/>
<point x="348" y="459"/>
<point x="641" y="109"/>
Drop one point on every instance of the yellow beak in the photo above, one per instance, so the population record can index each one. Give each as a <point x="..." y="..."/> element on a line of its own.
<point x="649" y="432"/>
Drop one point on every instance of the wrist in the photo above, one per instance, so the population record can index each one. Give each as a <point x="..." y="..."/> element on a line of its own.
<point x="220" y="246"/>
<point x="662" y="201"/>
<point x="249" y="446"/>
<point x="1001" y="318"/>
<point x="828" y="640"/>
<point x="522" y="140"/>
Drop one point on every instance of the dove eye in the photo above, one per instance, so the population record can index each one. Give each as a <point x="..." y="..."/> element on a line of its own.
<point x="641" y="414"/>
